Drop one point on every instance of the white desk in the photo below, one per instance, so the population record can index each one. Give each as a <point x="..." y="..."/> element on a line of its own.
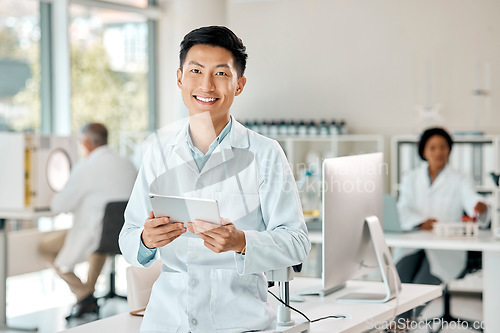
<point x="490" y="248"/>
<point x="485" y="242"/>
<point x="360" y="316"/>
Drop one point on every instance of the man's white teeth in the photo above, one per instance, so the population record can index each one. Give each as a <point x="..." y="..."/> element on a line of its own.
<point x="206" y="100"/>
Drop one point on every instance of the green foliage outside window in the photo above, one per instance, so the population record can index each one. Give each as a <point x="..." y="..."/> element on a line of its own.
<point x="98" y="94"/>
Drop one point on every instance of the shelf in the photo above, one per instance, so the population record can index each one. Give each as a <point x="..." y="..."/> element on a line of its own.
<point x="330" y="138"/>
<point x="460" y="139"/>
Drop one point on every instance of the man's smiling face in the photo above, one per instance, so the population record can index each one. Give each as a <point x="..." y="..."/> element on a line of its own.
<point x="209" y="81"/>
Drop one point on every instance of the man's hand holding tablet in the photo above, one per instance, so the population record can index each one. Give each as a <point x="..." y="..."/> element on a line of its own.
<point x="158" y="231"/>
<point x="219" y="238"/>
<point x="172" y="215"/>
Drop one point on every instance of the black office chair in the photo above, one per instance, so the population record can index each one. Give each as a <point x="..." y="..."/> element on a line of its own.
<point x="112" y="224"/>
<point x="474" y="263"/>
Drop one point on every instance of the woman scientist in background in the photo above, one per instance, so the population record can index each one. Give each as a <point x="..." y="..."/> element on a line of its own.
<point x="435" y="192"/>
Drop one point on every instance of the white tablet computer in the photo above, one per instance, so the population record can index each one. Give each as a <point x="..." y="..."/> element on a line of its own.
<point x="183" y="209"/>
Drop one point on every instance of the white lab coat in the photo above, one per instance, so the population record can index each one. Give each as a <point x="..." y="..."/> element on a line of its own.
<point x="445" y="200"/>
<point x="199" y="290"/>
<point x="102" y="177"/>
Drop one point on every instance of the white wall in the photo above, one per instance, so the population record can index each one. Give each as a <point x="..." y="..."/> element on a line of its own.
<point x="366" y="61"/>
<point x="181" y="16"/>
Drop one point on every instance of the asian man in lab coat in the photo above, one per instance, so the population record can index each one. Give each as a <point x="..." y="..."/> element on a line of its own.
<point x="214" y="281"/>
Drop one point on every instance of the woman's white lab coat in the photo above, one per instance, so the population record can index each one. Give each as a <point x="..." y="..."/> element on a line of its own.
<point x="102" y="177"/>
<point x="199" y="290"/>
<point x="445" y="199"/>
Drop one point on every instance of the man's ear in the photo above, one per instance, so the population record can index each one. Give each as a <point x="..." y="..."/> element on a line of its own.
<point x="87" y="144"/>
<point x="241" y="84"/>
<point x="179" y="77"/>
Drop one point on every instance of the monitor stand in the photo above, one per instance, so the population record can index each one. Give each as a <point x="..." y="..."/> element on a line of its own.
<point x="319" y="291"/>
<point x="390" y="276"/>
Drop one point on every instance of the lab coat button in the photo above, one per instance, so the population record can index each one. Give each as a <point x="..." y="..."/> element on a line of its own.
<point x="194" y="283"/>
<point x="194" y="322"/>
<point x="193" y="256"/>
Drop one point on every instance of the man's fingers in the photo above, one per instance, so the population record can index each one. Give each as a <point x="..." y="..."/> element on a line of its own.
<point x="206" y="237"/>
<point x="226" y="221"/>
<point x="164" y="242"/>
<point x="211" y="244"/>
<point x="158" y="221"/>
<point x="199" y="226"/>
<point x="165" y="230"/>
<point x="159" y="240"/>
<point x="214" y="248"/>
<point x="174" y="234"/>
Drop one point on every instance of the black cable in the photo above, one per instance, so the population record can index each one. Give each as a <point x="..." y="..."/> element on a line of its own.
<point x="302" y="314"/>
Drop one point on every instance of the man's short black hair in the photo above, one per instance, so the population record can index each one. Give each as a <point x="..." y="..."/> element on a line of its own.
<point x="428" y="134"/>
<point x="216" y="36"/>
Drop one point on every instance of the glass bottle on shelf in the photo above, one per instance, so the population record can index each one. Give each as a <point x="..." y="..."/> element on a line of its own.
<point x="312" y="129"/>
<point x="323" y="128"/>
<point x="282" y="128"/>
<point x="310" y="195"/>
<point x="302" y="129"/>
<point x="291" y="128"/>
<point x="343" y="127"/>
<point x="255" y="126"/>
<point x="264" y="129"/>
<point x="334" y="130"/>
<point x="273" y="129"/>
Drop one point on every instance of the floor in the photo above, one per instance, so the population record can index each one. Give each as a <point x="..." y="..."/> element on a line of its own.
<point x="463" y="307"/>
<point x="52" y="320"/>
<point x="42" y="300"/>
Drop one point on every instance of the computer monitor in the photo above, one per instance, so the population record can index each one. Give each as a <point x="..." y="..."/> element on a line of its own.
<point x="352" y="192"/>
<point x="353" y="189"/>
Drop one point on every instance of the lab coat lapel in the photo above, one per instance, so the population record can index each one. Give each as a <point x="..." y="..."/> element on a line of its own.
<point x="440" y="179"/>
<point x="182" y="151"/>
<point x="222" y="153"/>
<point x="237" y="138"/>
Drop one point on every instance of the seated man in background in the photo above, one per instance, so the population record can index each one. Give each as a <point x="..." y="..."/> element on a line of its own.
<point x="102" y="177"/>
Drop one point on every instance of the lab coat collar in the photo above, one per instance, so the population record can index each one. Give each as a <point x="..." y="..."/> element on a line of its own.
<point x="237" y="138"/>
<point x="239" y="135"/>
<point x="98" y="151"/>
<point x="441" y="177"/>
<point x="181" y="147"/>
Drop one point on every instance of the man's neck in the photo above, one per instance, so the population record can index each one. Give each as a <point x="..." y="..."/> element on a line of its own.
<point x="204" y="130"/>
<point x="91" y="149"/>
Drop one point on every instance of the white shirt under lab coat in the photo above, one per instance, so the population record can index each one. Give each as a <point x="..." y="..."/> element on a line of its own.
<point x="445" y="199"/>
<point x="102" y="177"/>
<point x="199" y="290"/>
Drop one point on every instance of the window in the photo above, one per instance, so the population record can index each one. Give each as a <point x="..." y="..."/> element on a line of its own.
<point x="109" y="69"/>
<point x="134" y="3"/>
<point x="20" y="65"/>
